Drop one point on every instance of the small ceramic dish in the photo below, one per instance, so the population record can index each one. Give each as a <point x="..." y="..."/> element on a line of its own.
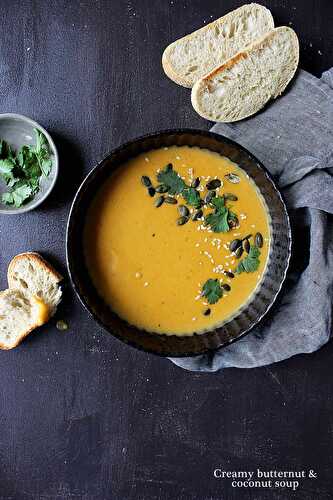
<point x="18" y="130"/>
<point x="259" y="303"/>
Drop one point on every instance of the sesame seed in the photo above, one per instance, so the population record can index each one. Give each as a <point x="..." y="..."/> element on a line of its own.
<point x="146" y="283"/>
<point x="146" y="159"/>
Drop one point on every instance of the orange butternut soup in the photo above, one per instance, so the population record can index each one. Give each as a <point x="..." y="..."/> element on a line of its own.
<point x="154" y="265"/>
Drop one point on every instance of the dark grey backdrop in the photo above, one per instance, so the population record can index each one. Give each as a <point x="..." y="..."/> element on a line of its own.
<point x="81" y="415"/>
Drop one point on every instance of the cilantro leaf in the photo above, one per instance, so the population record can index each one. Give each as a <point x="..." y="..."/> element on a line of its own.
<point x="212" y="291"/>
<point x="192" y="197"/>
<point x="218" y="221"/>
<point x="6" y="166"/>
<point x="7" y="198"/>
<point x="46" y="166"/>
<point x="251" y="262"/>
<point x="41" y="142"/>
<point x="171" y="179"/>
<point x="17" y="196"/>
<point x="218" y="202"/>
<point x="22" y="170"/>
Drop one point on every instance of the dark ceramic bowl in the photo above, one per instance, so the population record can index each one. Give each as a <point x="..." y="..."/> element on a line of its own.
<point x="249" y="315"/>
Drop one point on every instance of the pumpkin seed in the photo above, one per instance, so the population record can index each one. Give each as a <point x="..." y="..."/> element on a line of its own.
<point x="197" y="215"/>
<point x="151" y="191"/>
<point x="61" y="325"/>
<point x="233" y="178"/>
<point x="235" y="244"/>
<point x="207" y="312"/>
<point x="258" y="240"/>
<point x="226" y="287"/>
<point x="246" y="246"/>
<point x="209" y="196"/>
<point x="233" y="222"/>
<point x="229" y="274"/>
<point x="182" y="220"/>
<point x="159" y="201"/>
<point x="247" y="237"/>
<point x="213" y="184"/>
<point x="146" y="181"/>
<point x="162" y="188"/>
<point x="183" y="210"/>
<point x="171" y="200"/>
<point x="230" y="197"/>
<point x="195" y="183"/>
<point x="239" y="252"/>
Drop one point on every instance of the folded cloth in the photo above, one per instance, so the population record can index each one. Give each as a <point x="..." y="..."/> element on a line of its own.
<point x="293" y="138"/>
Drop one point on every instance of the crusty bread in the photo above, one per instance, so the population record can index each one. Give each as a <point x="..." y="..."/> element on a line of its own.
<point x="31" y="274"/>
<point x="18" y="317"/>
<point x="30" y="300"/>
<point x="242" y="85"/>
<point x="191" y="57"/>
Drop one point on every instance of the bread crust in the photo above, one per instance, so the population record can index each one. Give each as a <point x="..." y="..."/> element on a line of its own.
<point x="18" y="340"/>
<point x="3" y="347"/>
<point x="40" y="262"/>
<point x="203" y="83"/>
<point x="37" y="259"/>
<point x="187" y="82"/>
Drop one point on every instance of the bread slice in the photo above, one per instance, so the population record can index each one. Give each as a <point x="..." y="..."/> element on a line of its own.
<point x="193" y="56"/>
<point x="242" y="85"/>
<point x="32" y="275"/>
<point x="19" y="315"/>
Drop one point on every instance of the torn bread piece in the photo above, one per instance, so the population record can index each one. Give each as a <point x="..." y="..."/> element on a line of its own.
<point x="31" y="274"/>
<point x="32" y="298"/>
<point x="191" y="57"/>
<point x="242" y="85"/>
<point x="19" y="315"/>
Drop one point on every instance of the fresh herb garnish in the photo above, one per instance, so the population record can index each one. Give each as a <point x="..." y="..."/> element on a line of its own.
<point x="220" y="219"/>
<point x="251" y="262"/>
<point x="17" y="196"/>
<point x="218" y="202"/>
<point x="171" y="179"/>
<point x="192" y="197"/>
<point x="212" y="291"/>
<point x="22" y="170"/>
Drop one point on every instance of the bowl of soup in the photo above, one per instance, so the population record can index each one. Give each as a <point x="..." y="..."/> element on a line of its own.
<point x="178" y="242"/>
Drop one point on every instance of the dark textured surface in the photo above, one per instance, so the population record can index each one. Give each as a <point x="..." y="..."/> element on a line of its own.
<point x="83" y="416"/>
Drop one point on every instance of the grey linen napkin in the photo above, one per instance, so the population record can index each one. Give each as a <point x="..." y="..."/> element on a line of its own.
<point x="293" y="137"/>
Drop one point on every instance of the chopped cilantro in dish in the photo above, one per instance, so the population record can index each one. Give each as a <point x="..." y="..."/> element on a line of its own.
<point x="23" y="169"/>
